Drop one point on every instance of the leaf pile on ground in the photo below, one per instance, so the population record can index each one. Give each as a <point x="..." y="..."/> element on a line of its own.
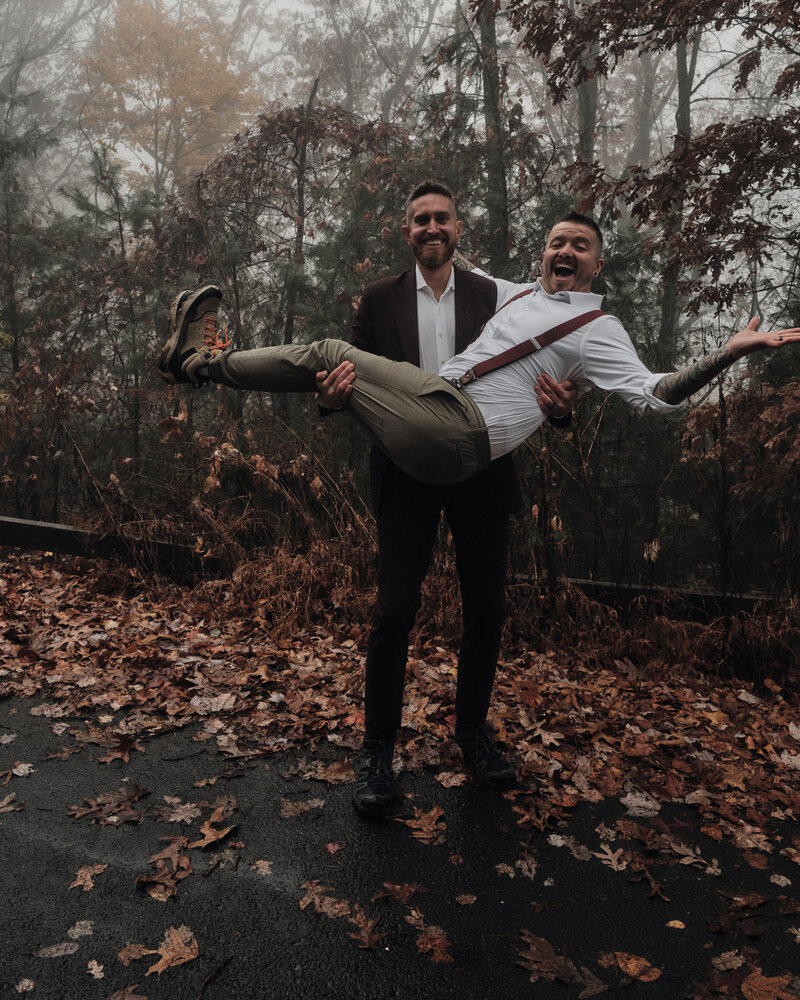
<point x="112" y="670"/>
<point x="133" y="667"/>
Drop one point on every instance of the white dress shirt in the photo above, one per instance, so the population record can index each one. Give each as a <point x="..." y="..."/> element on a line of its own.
<point x="437" y="324"/>
<point x="598" y="354"/>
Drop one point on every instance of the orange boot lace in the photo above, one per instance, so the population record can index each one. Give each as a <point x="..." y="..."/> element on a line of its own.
<point x="215" y="338"/>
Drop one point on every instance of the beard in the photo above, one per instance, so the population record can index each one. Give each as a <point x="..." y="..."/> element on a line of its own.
<point x="433" y="256"/>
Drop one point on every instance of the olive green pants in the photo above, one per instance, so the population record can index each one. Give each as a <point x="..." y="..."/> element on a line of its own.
<point x="430" y="429"/>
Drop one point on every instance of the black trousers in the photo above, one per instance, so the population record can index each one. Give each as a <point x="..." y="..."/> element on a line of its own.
<point x="408" y="517"/>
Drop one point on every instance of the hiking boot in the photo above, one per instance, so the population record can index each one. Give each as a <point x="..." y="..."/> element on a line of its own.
<point x="194" y="335"/>
<point x="483" y="758"/>
<point x="375" y="793"/>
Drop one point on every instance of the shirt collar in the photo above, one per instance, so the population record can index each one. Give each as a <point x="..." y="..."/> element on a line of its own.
<point x="422" y="284"/>
<point x="588" y="300"/>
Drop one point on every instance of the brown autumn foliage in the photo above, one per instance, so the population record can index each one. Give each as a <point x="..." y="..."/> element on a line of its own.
<point x="718" y="175"/>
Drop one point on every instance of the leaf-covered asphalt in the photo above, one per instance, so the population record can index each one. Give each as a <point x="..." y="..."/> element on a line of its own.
<point x="176" y="820"/>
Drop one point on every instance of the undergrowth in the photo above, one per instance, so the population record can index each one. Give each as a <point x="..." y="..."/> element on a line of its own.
<point x="331" y="586"/>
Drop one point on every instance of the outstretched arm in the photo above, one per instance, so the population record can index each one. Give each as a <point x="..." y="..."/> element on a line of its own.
<point x="681" y="384"/>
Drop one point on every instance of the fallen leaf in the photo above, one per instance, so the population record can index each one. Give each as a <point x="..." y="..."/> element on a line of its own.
<point x="611" y="858"/>
<point x="25" y="986"/>
<point x="402" y="892"/>
<point x="291" y="809"/>
<point x="432" y="941"/>
<point x="677" y="925"/>
<point x="526" y="867"/>
<point x="83" y="928"/>
<point x="339" y="772"/>
<point x="58" y="950"/>
<point x="334" y="848"/>
<point x="131" y="952"/>
<point x="184" y="812"/>
<point x="262" y="867"/>
<point x="128" y="993"/>
<point x="426" y="825"/>
<point x="758" y="987"/>
<point x="636" y="967"/>
<point x="452" y="779"/>
<point x="178" y="947"/>
<point x="543" y="962"/>
<point x="8" y="804"/>
<point x="95" y="970"/>
<point x="640" y="804"/>
<point x="84" y="877"/>
<point x="211" y="834"/>
<point x="466" y="899"/>
<point x="329" y="905"/>
<point x="728" y="961"/>
<point x="366" y="936"/>
<point x="592" y="985"/>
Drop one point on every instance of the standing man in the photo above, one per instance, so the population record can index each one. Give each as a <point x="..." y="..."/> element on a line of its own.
<point x="425" y="316"/>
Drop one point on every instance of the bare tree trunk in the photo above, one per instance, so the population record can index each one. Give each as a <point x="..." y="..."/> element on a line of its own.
<point x="587" y="117"/>
<point x="666" y="343"/>
<point x="497" y="195"/>
<point x="640" y="151"/>
<point x="293" y="284"/>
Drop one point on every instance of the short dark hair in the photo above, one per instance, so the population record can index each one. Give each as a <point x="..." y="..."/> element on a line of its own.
<point x="583" y="220"/>
<point x="429" y="187"/>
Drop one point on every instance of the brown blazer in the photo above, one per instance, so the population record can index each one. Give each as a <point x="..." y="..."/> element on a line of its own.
<point x="386" y="324"/>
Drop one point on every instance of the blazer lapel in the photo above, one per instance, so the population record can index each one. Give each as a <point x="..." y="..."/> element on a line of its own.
<point x="465" y="331"/>
<point x="405" y="316"/>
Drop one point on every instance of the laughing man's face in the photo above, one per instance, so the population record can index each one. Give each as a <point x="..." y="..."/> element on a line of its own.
<point x="571" y="258"/>
<point x="432" y="230"/>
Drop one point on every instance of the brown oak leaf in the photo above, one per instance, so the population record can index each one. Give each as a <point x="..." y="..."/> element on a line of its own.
<point x="178" y="947"/>
<point x="543" y="962"/>
<point x="128" y="993"/>
<point x="402" y="892"/>
<point x="632" y="965"/>
<point x="366" y="936"/>
<point x="131" y="952"/>
<point x="211" y="834"/>
<point x="84" y="877"/>
<point x="426" y="825"/>
<point x="433" y="941"/>
<point x="759" y="987"/>
<point x="291" y="809"/>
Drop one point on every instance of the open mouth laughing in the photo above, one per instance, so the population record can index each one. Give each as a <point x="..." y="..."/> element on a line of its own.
<point x="563" y="269"/>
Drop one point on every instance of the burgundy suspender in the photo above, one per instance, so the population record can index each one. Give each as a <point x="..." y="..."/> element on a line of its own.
<point x="527" y="346"/>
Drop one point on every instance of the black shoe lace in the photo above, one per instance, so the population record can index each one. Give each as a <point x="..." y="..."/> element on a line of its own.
<point x="375" y="763"/>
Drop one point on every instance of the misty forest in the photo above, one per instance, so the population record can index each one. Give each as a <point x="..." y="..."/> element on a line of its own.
<point x="177" y="722"/>
<point x="150" y="145"/>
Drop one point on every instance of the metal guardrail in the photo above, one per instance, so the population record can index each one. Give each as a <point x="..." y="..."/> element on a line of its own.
<point x="174" y="559"/>
<point x="167" y="557"/>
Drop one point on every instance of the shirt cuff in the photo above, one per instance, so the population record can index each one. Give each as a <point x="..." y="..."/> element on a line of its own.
<point x="653" y="402"/>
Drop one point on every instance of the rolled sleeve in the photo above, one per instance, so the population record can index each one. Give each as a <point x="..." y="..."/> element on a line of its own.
<point x="610" y="362"/>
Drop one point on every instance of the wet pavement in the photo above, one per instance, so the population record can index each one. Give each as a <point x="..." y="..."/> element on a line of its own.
<point x="271" y="909"/>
